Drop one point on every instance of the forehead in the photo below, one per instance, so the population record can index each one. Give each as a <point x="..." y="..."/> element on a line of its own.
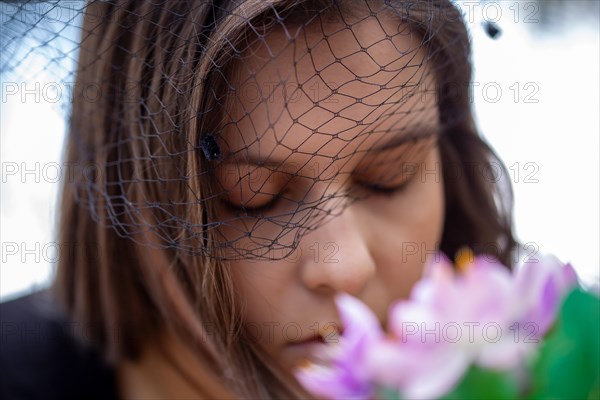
<point x="316" y="89"/>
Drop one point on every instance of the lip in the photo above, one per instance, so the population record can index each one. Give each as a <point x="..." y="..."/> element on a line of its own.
<point x="324" y="336"/>
<point x="310" y="343"/>
<point x="314" y="349"/>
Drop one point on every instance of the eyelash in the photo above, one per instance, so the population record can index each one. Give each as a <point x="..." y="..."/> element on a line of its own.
<point x="384" y="191"/>
<point x="257" y="211"/>
<point x="254" y="211"/>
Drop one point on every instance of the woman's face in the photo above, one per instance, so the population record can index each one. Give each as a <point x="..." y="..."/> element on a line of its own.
<point x="330" y="126"/>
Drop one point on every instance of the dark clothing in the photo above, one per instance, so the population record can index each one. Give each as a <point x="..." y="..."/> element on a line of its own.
<point x="41" y="359"/>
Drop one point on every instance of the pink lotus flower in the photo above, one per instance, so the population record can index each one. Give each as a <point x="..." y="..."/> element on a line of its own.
<point x="484" y="315"/>
<point x="541" y="284"/>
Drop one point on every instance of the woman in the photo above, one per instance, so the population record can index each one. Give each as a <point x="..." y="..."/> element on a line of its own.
<point x="245" y="162"/>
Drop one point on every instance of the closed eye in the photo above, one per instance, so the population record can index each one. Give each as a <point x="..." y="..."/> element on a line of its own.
<point x="241" y="210"/>
<point x="258" y="211"/>
<point x="383" y="190"/>
<point x="261" y="210"/>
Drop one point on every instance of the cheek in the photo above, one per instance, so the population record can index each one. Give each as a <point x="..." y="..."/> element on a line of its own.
<point x="413" y="233"/>
<point x="260" y="287"/>
<point x="255" y="284"/>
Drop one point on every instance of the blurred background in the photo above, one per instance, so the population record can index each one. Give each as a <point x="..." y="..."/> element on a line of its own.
<point x="536" y="94"/>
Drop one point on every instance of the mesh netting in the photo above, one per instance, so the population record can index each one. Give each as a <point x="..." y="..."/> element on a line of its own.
<point x="231" y="129"/>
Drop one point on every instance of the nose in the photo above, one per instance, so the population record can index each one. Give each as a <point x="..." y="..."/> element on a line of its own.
<point x="337" y="257"/>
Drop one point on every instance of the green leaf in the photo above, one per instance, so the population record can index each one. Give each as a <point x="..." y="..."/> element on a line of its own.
<point x="485" y="384"/>
<point x="387" y="394"/>
<point x="568" y="365"/>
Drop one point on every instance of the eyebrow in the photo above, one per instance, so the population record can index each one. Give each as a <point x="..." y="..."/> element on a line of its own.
<point x="395" y="141"/>
<point x="399" y="140"/>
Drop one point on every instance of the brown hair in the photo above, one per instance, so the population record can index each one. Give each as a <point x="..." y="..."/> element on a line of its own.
<point x="145" y="153"/>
